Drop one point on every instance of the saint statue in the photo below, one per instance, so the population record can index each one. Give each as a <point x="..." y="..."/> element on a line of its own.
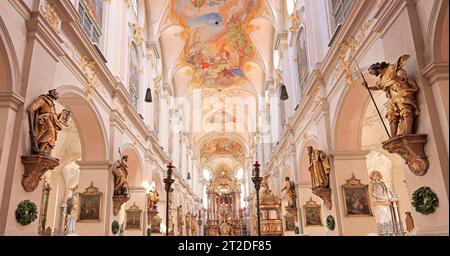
<point x="188" y="219"/>
<point x="193" y="225"/>
<point x="409" y="222"/>
<point x="153" y="199"/>
<point x="319" y="166"/>
<point x="295" y="19"/>
<point x="265" y="184"/>
<point x="290" y="192"/>
<point x="180" y="220"/>
<point x="120" y="170"/>
<point x="171" y="224"/>
<point x="170" y="197"/>
<point x="45" y="123"/>
<point x="400" y="90"/>
<point x="71" y="212"/>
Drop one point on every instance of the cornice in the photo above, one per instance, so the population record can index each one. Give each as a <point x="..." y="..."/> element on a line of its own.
<point x="11" y="99"/>
<point x="93" y="165"/>
<point x="435" y="72"/>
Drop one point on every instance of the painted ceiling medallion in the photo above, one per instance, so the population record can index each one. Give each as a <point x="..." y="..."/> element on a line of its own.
<point x="217" y="42"/>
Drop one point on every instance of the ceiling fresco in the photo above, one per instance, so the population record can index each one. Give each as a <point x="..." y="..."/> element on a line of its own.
<point x="217" y="42"/>
<point x="222" y="146"/>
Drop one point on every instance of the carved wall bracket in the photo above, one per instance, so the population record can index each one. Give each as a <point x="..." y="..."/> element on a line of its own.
<point x="325" y="195"/>
<point x="118" y="201"/>
<point x="35" y="167"/>
<point x="410" y="147"/>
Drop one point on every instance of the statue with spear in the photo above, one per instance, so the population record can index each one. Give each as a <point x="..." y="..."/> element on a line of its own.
<point x="400" y="91"/>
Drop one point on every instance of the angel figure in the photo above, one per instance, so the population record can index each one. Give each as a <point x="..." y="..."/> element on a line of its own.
<point x="400" y="90"/>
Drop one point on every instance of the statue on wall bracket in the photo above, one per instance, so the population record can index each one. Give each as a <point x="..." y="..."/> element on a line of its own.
<point x="44" y="124"/>
<point x="401" y="113"/>
<point x="152" y="207"/>
<point x="121" y="189"/>
<point x="320" y="167"/>
<point x="291" y="196"/>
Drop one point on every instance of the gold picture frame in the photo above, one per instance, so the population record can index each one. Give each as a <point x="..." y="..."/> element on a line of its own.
<point x="133" y="218"/>
<point x="313" y="214"/>
<point x="290" y="222"/>
<point x="90" y="205"/>
<point x="356" y="198"/>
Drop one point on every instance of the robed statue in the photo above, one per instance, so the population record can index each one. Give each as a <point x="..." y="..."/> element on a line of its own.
<point x="120" y="171"/>
<point x="319" y="167"/>
<point x="290" y="192"/>
<point x="180" y="219"/>
<point x="400" y="92"/>
<point x="45" y="123"/>
<point x="193" y="225"/>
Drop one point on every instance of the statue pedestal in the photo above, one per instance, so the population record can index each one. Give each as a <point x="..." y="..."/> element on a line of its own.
<point x="325" y="195"/>
<point x="35" y="167"/>
<point x="150" y="215"/>
<point x="411" y="147"/>
<point x="117" y="203"/>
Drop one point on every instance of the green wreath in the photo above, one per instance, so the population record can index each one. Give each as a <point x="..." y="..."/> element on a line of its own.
<point x="115" y="227"/>
<point x="425" y="201"/>
<point x="331" y="223"/>
<point x="26" y="212"/>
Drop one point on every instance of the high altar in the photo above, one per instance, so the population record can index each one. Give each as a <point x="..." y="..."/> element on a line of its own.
<point x="224" y="215"/>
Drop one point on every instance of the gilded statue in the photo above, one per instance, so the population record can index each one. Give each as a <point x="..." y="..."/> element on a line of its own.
<point x="188" y="219"/>
<point x="153" y="199"/>
<point x="319" y="167"/>
<point x="400" y="92"/>
<point x="45" y="123"/>
<point x="290" y="192"/>
<point x="120" y="171"/>
<point x="193" y="225"/>
<point x="295" y="19"/>
<point x="180" y="220"/>
<point x="265" y="184"/>
<point x="171" y="224"/>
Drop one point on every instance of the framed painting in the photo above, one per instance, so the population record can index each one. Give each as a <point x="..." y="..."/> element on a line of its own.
<point x="290" y="222"/>
<point x="313" y="214"/>
<point x="90" y="202"/>
<point x="356" y="197"/>
<point x="133" y="217"/>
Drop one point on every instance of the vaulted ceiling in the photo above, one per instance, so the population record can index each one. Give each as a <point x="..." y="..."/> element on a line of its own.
<point x="222" y="50"/>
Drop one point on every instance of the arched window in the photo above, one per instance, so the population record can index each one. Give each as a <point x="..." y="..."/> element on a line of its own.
<point x="91" y="18"/>
<point x="134" y="5"/>
<point x="341" y="10"/>
<point x="302" y="57"/>
<point x="134" y="75"/>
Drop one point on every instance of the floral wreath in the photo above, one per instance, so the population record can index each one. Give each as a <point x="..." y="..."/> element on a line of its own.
<point x="26" y="212"/>
<point x="331" y="223"/>
<point x="115" y="227"/>
<point x="425" y="200"/>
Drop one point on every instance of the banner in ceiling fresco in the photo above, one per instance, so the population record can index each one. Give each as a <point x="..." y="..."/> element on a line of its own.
<point x="216" y="35"/>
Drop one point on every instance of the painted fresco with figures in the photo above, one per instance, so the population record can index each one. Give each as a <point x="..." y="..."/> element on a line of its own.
<point x="224" y="118"/>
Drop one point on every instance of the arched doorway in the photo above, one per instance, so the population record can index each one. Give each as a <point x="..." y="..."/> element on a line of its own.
<point x="81" y="142"/>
